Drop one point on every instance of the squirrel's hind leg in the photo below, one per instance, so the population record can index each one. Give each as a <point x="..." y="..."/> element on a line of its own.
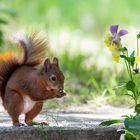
<point x="33" y="113"/>
<point x="13" y="103"/>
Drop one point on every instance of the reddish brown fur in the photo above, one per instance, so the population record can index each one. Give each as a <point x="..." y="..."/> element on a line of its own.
<point x="8" y="63"/>
<point x="23" y="87"/>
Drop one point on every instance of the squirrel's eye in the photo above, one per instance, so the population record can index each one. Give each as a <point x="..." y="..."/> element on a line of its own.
<point x="53" y="78"/>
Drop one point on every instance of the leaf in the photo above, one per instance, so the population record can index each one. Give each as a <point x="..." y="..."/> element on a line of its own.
<point x="133" y="125"/>
<point x="137" y="108"/>
<point x="3" y="21"/>
<point x="129" y="136"/>
<point x="130" y="86"/>
<point x="123" y="56"/>
<point x="1" y="37"/>
<point x="138" y="35"/>
<point x="132" y="59"/>
<point x="110" y="122"/>
<point x="128" y="94"/>
<point x="132" y="54"/>
<point x="123" y="49"/>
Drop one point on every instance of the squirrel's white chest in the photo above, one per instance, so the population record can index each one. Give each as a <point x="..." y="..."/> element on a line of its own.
<point x="28" y="104"/>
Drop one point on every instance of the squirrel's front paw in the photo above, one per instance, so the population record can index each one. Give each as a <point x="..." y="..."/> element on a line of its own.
<point x="18" y="125"/>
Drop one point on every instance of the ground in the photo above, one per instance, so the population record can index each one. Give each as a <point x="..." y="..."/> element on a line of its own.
<point x="86" y="113"/>
<point x="79" y="122"/>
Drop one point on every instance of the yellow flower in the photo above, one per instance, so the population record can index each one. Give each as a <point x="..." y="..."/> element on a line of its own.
<point x="107" y="40"/>
<point x="137" y="59"/>
<point x="113" y="48"/>
<point x="115" y="52"/>
<point x="116" y="56"/>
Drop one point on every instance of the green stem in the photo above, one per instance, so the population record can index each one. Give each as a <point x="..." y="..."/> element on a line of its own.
<point x="136" y="94"/>
<point x="135" y="97"/>
<point x="129" y="67"/>
<point x="137" y="46"/>
<point x="137" y="51"/>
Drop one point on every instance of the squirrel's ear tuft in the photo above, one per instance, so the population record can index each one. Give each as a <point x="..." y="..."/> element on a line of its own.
<point x="55" y="61"/>
<point x="47" y="64"/>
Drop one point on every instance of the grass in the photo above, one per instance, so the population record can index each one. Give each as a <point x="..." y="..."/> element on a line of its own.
<point x="86" y="84"/>
<point x="75" y="14"/>
<point x="84" y="80"/>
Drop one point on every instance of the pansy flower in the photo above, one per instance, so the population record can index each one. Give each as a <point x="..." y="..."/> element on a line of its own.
<point x="113" y="41"/>
<point x="136" y="70"/>
<point x="137" y="59"/>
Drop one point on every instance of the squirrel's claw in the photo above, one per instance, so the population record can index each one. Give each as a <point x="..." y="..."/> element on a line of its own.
<point x="18" y="125"/>
<point x="61" y="94"/>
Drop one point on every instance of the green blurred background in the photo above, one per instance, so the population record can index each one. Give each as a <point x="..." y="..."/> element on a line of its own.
<point x="76" y="30"/>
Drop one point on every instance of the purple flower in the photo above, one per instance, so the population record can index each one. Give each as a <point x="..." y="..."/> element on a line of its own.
<point x="136" y="70"/>
<point x="117" y="34"/>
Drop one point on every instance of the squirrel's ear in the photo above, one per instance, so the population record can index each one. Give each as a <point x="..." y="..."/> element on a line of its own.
<point x="55" y="61"/>
<point x="47" y="64"/>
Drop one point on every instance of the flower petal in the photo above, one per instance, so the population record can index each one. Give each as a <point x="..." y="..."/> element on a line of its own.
<point x="116" y="39"/>
<point x="108" y="40"/>
<point x="113" y="47"/>
<point x="136" y="70"/>
<point x="137" y="59"/>
<point x="114" y="29"/>
<point x="122" y="32"/>
<point x="116" y="58"/>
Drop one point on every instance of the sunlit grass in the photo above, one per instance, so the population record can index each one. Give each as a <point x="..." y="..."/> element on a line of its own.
<point x="76" y="30"/>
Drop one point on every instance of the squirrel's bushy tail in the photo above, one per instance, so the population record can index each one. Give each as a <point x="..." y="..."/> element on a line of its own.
<point x="35" y="49"/>
<point x="8" y="64"/>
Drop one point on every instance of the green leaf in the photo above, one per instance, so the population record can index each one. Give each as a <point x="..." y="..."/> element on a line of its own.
<point x="132" y="54"/>
<point x="123" y="49"/>
<point x="138" y="35"/>
<point x="123" y="56"/>
<point x="130" y="86"/>
<point x="129" y="136"/>
<point x="132" y="59"/>
<point x="133" y="125"/>
<point x="110" y="122"/>
<point x="3" y="21"/>
<point x="137" y="108"/>
<point x="1" y="37"/>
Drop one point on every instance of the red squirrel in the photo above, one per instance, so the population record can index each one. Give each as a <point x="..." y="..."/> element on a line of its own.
<point x="24" y="87"/>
